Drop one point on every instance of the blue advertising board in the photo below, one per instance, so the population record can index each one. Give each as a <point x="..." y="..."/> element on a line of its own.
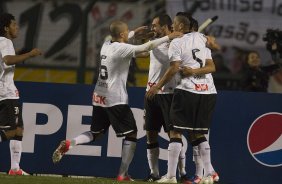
<point x="245" y="137"/>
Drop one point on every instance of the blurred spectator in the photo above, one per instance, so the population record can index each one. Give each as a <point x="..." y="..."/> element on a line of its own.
<point x="219" y="63"/>
<point x="256" y="77"/>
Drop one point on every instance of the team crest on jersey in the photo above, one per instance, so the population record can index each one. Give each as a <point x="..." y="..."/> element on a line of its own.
<point x="264" y="139"/>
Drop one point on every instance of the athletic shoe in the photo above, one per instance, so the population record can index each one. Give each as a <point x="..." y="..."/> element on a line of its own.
<point x="152" y="178"/>
<point x="207" y="179"/>
<point x="124" y="178"/>
<point x="194" y="180"/>
<point x="215" y="177"/>
<point x="183" y="178"/>
<point x="18" y="172"/>
<point x="164" y="179"/>
<point x="60" y="151"/>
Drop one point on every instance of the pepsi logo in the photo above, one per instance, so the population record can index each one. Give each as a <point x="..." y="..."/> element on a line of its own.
<point x="265" y="139"/>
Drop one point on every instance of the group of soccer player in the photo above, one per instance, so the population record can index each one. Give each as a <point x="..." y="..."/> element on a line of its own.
<point x="180" y="96"/>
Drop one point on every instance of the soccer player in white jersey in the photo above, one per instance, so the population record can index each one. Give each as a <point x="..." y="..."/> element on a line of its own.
<point x="11" y="123"/>
<point x="189" y="109"/>
<point x="157" y="109"/>
<point x="186" y="71"/>
<point x="110" y="99"/>
<point x="211" y="43"/>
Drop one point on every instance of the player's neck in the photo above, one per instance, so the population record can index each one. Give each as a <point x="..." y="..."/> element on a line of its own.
<point x="120" y="40"/>
<point x="185" y="31"/>
<point x="8" y="36"/>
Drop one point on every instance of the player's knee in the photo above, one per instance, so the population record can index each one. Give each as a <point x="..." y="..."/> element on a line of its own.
<point x="198" y="139"/>
<point x="95" y="136"/>
<point x="10" y="134"/>
<point x="18" y="138"/>
<point x="152" y="137"/>
<point x="131" y="135"/>
<point x="152" y="145"/>
<point x="19" y="132"/>
<point x="175" y="134"/>
<point x="131" y="138"/>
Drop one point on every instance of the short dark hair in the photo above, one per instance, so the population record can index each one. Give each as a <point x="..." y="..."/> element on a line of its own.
<point x="193" y="22"/>
<point x="185" y="14"/>
<point x="5" y="21"/>
<point x="116" y="27"/>
<point x="165" y="19"/>
<point x="184" y="20"/>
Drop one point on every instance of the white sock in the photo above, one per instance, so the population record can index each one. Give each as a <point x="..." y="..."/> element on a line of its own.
<point x="182" y="162"/>
<point x="174" y="149"/>
<point x="198" y="162"/>
<point x="83" y="138"/>
<point x="204" y="149"/>
<point x="127" y="154"/>
<point x="153" y="160"/>
<point x="16" y="152"/>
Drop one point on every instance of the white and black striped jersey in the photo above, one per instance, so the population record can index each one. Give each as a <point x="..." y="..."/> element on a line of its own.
<point x="8" y="89"/>
<point x="110" y="88"/>
<point x="192" y="52"/>
<point x="159" y="63"/>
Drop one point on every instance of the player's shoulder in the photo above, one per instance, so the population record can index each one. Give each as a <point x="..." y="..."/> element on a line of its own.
<point x="176" y="41"/>
<point x="4" y="41"/>
<point x="197" y="35"/>
<point x="120" y="45"/>
<point x="116" y="45"/>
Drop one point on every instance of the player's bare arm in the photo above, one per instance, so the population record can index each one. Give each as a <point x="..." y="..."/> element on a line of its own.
<point x="146" y="47"/>
<point x="208" y="68"/>
<point x="170" y="72"/>
<point x="212" y="44"/>
<point x="11" y="60"/>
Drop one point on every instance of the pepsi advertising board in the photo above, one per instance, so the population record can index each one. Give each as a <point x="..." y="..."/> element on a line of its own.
<point x="265" y="140"/>
<point x="245" y="137"/>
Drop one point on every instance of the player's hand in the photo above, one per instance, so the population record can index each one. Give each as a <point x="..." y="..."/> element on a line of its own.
<point x="186" y="71"/>
<point x="141" y="29"/>
<point x="146" y="36"/>
<point x="175" y="34"/>
<point x="152" y="92"/>
<point x="212" y="44"/>
<point x="35" y="52"/>
<point x="143" y="33"/>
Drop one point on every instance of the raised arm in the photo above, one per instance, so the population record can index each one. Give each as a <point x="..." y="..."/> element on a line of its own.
<point x="153" y="44"/>
<point x="15" y="59"/>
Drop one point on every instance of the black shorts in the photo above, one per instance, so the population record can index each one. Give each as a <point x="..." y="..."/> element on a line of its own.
<point x="156" y="112"/>
<point x="119" y="116"/>
<point x="10" y="114"/>
<point x="191" y="111"/>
